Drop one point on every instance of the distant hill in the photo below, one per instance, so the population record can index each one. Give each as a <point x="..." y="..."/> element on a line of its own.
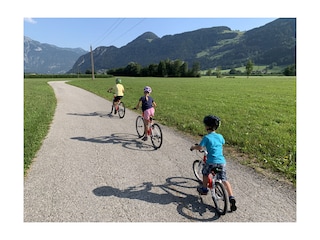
<point x="48" y="59"/>
<point x="273" y="43"/>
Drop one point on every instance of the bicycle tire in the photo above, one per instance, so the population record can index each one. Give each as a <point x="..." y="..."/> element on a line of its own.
<point x="121" y="110"/>
<point x="140" y="126"/>
<point x="220" y="199"/>
<point x="197" y="170"/>
<point x="156" y="136"/>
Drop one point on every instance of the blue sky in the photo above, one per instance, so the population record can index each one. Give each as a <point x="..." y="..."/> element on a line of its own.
<point x="86" y="32"/>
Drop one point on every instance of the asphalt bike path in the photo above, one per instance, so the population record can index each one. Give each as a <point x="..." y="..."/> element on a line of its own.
<point x="93" y="168"/>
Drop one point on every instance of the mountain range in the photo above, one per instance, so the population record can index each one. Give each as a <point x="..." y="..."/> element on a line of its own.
<point x="271" y="44"/>
<point x="45" y="58"/>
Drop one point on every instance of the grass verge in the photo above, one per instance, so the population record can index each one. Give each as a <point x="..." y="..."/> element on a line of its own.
<point x="39" y="107"/>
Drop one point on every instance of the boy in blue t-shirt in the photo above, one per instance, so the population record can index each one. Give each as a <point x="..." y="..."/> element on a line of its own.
<point x="213" y="142"/>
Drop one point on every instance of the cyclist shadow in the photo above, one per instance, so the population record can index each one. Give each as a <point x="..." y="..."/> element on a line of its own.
<point x="85" y="114"/>
<point x="102" y="114"/>
<point x="127" y="140"/>
<point x="188" y="206"/>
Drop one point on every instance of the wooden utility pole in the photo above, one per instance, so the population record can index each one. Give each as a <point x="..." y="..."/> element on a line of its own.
<point x="92" y="64"/>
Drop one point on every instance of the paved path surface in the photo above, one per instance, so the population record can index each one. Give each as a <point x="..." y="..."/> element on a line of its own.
<point x="93" y="168"/>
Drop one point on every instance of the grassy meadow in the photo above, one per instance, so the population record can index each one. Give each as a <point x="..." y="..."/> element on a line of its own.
<point x="39" y="107"/>
<point x="258" y="114"/>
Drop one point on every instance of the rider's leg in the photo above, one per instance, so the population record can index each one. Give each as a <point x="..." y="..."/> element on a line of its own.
<point x="205" y="180"/>
<point x="228" y="187"/>
<point x="232" y="200"/>
<point x="146" y="126"/>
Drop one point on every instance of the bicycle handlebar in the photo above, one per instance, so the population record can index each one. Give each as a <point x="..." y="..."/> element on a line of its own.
<point x="201" y="151"/>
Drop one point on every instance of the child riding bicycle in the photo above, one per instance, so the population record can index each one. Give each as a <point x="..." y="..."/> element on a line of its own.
<point x="213" y="142"/>
<point x="147" y="104"/>
<point x="118" y="91"/>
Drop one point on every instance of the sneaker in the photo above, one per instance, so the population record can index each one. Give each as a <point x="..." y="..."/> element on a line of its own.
<point x="232" y="201"/>
<point x="202" y="191"/>
<point x="145" y="138"/>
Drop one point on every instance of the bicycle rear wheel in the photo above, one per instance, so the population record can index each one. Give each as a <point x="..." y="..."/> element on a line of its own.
<point x="197" y="169"/>
<point x="220" y="198"/>
<point x="156" y="136"/>
<point x="140" y="126"/>
<point x="121" y="109"/>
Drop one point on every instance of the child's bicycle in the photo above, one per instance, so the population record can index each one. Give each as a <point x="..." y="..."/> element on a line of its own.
<point x="119" y="108"/>
<point x="218" y="192"/>
<point x="154" y="131"/>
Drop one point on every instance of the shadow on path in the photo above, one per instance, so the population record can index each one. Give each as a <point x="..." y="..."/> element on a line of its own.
<point x="188" y="206"/>
<point x="103" y="114"/>
<point x="127" y="140"/>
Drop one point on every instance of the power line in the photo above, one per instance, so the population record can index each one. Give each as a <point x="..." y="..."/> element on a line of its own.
<point x="128" y="30"/>
<point x="109" y="30"/>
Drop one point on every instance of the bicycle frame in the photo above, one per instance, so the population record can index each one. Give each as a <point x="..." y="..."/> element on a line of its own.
<point x="116" y="106"/>
<point x="215" y="185"/>
<point x="212" y="178"/>
<point x="153" y="130"/>
<point x="149" y="126"/>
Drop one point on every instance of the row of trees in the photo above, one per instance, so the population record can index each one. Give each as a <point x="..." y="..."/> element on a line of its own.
<point x="178" y="68"/>
<point x="166" y="68"/>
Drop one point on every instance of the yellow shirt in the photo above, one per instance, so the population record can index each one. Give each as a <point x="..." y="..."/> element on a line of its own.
<point x="118" y="89"/>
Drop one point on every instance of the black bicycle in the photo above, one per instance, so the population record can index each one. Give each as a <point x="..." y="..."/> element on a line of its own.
<point x="118" y="108"/>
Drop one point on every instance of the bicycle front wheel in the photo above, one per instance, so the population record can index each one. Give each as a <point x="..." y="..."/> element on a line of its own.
<point x="197" y="167"/>
<point x="220" y="198"/>
<point x="140" y="126"/>
<point x="121" y="110"/>
<point x="156" y="136"/>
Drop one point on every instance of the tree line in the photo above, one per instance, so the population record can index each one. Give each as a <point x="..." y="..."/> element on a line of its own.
<point x="179" y="68"/>
<point x="165" y="68"/>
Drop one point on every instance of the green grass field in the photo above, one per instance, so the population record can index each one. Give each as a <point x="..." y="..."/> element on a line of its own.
<point x="39" y="107"/>
<point x="258" y="113"/>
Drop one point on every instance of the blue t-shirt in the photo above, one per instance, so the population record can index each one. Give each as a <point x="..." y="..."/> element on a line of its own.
<point x="146" y="104"/>
<point x="213" y="142"/>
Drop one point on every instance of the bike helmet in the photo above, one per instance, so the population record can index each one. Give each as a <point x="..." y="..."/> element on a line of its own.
<point x="118" y="80"/>
<point x="212" y="122"/>
<point x="147" y="89"/>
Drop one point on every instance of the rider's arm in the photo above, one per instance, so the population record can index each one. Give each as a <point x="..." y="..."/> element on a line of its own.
<point x="196" y="147"/>
<point x="138" y="105"/>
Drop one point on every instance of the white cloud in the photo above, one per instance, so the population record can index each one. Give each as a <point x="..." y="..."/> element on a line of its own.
<point x="30" y="20"/>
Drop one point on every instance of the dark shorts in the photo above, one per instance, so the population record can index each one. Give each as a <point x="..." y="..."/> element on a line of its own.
<point x="117" y="98"/>
<point x="208" y="167"/>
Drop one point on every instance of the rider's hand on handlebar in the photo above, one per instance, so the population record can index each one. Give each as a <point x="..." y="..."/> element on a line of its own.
<point x="192" y="147"/>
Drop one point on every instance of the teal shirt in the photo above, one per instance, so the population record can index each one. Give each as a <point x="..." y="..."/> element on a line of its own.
<point x="213" y="142"/>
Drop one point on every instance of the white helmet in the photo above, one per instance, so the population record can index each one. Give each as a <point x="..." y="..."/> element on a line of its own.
<point x="147" y="89"/>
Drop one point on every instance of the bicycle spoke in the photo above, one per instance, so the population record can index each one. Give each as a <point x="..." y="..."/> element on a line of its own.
<point x="121" y="110"/>
<point x="140" y="126"/>
<point x="156" y="136"/>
